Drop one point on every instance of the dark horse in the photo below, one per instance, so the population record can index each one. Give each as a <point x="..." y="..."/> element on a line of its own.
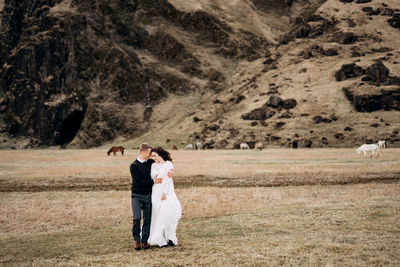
<point x="116" y="149"/>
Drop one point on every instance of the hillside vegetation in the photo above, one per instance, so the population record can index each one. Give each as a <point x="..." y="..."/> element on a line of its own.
<point x="90" y="73"/>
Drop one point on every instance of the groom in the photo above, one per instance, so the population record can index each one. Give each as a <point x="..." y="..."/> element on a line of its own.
<point x="141" y="196"/>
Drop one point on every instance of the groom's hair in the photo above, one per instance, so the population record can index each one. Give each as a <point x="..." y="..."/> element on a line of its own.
<point x="144" y="147"/>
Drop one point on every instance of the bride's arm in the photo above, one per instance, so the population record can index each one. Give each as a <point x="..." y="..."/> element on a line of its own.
<point x="168" y="180"/>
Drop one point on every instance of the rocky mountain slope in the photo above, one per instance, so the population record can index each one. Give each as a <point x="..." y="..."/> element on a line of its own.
<point x="308" y="73"/>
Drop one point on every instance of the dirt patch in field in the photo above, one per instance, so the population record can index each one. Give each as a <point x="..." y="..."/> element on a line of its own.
<point x="88" y="184"/>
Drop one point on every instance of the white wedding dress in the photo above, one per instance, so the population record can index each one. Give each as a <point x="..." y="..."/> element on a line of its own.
<point x="166" y="213"/>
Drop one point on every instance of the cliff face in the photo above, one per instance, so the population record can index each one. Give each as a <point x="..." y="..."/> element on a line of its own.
<point x="70" y="69"/>
<point x="82" y="73"/>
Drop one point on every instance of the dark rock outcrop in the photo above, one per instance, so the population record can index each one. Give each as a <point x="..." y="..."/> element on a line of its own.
<point x="383" y="99"/>
<point x="237" y="99"/>
<point x="339" y="136"/>
<point x="318" y="119"/>
<point x="377" y="72"/>
<point x="302" y="29"/>
<point x="307" y="143"/>
<point x="348" y="71"/>
<point x="262" y="113"/>
<point x="274" y="101"/>
<point x="278" y="103"/>
<point x="370" y="11"/>
<point x="395" y="21"/>
<point x="289" y="103"/>
<point x="70" y="70"/>
<point x="318" y="50"/>
<point x="344" y="37"/>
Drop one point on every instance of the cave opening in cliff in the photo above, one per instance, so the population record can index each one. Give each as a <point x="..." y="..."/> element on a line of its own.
<point x="70" y="127"/>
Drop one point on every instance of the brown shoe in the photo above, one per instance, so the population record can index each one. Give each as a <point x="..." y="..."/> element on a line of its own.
<point x="145" y="245"/>
<point x="136" y="245"/>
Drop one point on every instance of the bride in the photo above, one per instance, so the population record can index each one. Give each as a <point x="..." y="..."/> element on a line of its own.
<point x="166" y="209"/>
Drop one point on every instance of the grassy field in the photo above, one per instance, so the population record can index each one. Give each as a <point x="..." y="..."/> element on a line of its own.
<point x="279" y="206"/>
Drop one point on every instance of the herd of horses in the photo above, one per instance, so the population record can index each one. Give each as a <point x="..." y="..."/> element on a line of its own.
<point x="373" y="148"/>
<point x="243" y="145"/>
<point x="365" y="148"/>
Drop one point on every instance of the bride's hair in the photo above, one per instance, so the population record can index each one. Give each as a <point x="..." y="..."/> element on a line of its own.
<point x="163" y="153"/>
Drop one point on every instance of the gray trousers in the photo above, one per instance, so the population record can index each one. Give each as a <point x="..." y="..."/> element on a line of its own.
<point x="139" y="203"/>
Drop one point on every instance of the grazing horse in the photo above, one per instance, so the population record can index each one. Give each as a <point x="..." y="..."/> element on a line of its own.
<point x="190" y="147"/>
<point x="373" y="148"/>
<point x="199" y="146"/>
<point x="244" y="146"/>
<point x="381" y="144"/>
<point x="116" y="149"/>
<point x="259" y="146"/>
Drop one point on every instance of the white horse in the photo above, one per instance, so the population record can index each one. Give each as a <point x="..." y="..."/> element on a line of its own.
<point x="190" y="147"/>
<point x="244" y="146"/>
<point x="199" y="146"/>
<point x="373" y="148"/>
<point x="381" y="144"/>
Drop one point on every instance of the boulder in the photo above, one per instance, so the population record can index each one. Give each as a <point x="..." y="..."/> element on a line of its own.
<point x="344" y="37"/>
<point x="377" y="72"/>
<point x="262" y="113"/>
<point x="370" y="11"/>
<point x="330" y="52"/>
<point x="196" y="119"/>
<point x="318" y="119"/>
<point x="289" y="103"/>
<point x="387" y="12"/>
<point x="348" y="71"/>
<point x="239" y="99"/>
<point x="307" y="143"/>
<point x="339" y="136"/>
<point x="395" y="21"/>
<point x="274" y="101"/>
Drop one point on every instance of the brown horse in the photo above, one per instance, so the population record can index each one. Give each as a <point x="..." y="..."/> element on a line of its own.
<point x="259" y="146"/>
<point x="116" y="149"/>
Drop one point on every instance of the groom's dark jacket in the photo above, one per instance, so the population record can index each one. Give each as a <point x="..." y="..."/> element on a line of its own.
<point x="141" y="179"/>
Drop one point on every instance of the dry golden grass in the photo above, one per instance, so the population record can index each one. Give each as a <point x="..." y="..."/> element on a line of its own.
<point x="38" y="170"/>
<point x="339" y="208"/>
<point x="322" y="225"/>
<point x="40" y="212"/>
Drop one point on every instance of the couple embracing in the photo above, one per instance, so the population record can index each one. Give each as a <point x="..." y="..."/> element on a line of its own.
<point x="153" y="194"/>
